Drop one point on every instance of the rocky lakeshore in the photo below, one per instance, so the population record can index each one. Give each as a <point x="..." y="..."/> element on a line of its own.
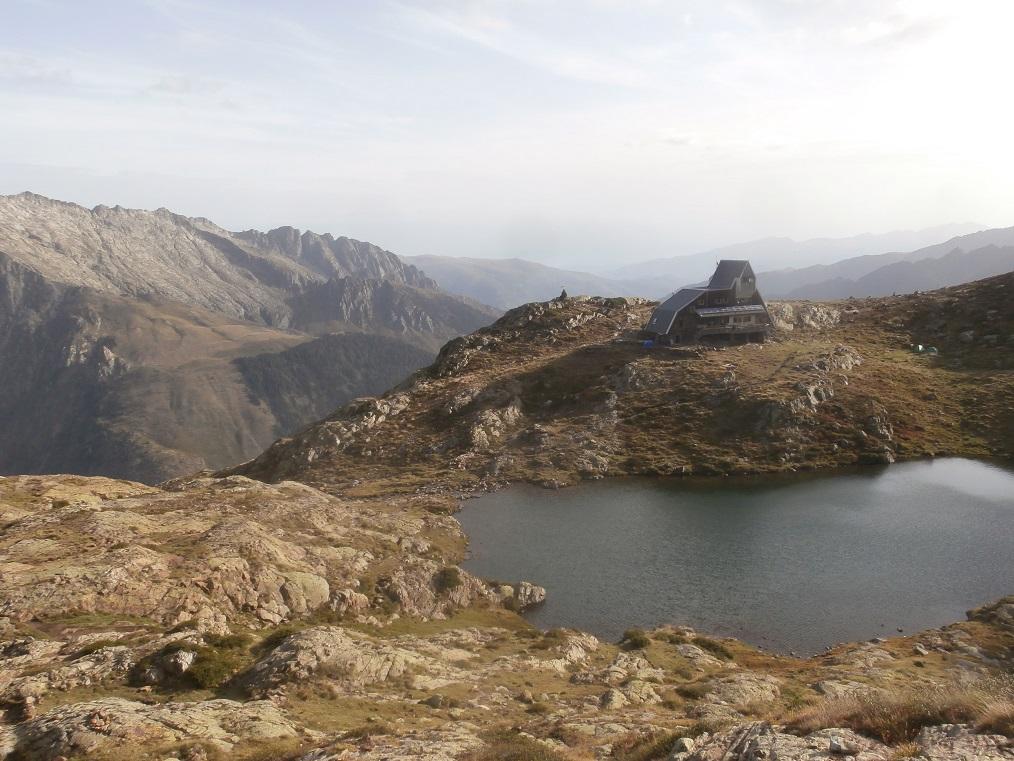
<point x="310" y="605"/>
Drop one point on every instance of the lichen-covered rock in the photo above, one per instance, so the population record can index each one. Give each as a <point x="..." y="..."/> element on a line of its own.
<point x="788" y="316"/>
<point x="956" y="742"/>
<point x="102" y="726"/>
<point x="760" y="740"/>
<point x="347" y="659"/>
<point x="104" y="664"/>
<point x="209" y="551"/>
<point x="613" y="699"/>
<point x="744" y="688"/>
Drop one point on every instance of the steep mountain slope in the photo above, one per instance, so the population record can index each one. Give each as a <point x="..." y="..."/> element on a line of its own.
<point x="779" y="253"/>
<point x="101" y="384"/>
<point x="506" y="283"/>
<point x="940" y="266"/>
<point x="557" y="391"/>
<point x="139" y="344"/>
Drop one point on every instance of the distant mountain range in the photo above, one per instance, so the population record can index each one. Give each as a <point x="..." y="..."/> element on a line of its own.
<point x="957" y="260"/>
<point x="506" y="283"/>
<point x="782" y="253"/>
<point x="828" y="270"/>
<point x="145" y="344"/>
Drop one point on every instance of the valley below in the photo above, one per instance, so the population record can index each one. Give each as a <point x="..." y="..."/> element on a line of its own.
<point x="316" y="603"/>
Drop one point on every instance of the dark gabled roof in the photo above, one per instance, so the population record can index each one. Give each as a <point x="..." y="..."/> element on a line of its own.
<point x="682" y="298"/>
<point x="664" y="314"/>
<point x="726" y="273"/>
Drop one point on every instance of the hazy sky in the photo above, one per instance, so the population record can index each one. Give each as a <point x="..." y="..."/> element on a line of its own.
<point x="577" y="133"/>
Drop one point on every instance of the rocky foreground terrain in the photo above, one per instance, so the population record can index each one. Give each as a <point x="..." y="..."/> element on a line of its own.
<point x="308" y="605"/>
<point x="145" y="344"/>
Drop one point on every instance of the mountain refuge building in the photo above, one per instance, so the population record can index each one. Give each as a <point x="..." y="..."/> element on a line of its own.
<point x="729" y="309"/>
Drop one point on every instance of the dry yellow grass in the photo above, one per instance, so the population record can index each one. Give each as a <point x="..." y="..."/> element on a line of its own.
<point x="896" y="717"/>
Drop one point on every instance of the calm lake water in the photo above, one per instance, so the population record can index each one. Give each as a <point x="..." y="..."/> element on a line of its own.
<point x="785" y="563"/>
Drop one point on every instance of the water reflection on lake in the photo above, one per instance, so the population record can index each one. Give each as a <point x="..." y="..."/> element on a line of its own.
<point x="787" y="563"/>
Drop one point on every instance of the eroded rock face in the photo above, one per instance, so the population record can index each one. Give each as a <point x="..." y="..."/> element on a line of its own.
<point x="116" y="724"/>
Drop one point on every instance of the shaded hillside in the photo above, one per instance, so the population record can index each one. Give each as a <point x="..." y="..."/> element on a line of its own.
<point x="556" y="392"/>
<point x="506" y="283"/>
<point x="118" y="331"/>
<point x="310" y="379"/>
<point x="100" y="384"/>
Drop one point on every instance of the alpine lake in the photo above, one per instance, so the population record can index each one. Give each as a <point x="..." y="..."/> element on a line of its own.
<point x="790" y="564"/>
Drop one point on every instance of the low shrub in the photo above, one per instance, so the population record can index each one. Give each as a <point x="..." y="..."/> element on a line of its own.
<point x="93" y="647"/>
<point x="213" y="667"/>
<point x="528" y="633"/>
<point x="907" y="750"/>
<point x="371" y="729"/>
<point x="228" y="641"/>
<point x="635" y="639"/>
<point x="673" y="638"/>
<point x="275" y="638"/>
<point x="550" y="639"/>
<point x="693" y="690"/>
<point x="504" y="745"/>
<point x="648" y="748"/>
<point x="714" y="647"/>
<point x="447" y="578"/>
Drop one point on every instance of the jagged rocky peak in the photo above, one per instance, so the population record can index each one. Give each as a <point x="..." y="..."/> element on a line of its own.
<point x="163" y="255"/>
<point x="329" y="256"/>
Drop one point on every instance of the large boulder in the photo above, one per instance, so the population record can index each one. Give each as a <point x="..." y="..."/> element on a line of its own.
<point x="744" y="688"/>
<point x="346" y="658"/>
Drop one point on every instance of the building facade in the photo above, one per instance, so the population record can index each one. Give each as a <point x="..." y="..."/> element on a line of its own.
<point x="729" y="309"/>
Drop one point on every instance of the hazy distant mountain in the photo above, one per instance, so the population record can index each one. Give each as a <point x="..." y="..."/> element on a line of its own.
<point x="958" y="260"/>
<point x="506" y="283"/>
<point x="147" y="344"/>
<point x="778" y="253"/>
<point x="925" y="274"/>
